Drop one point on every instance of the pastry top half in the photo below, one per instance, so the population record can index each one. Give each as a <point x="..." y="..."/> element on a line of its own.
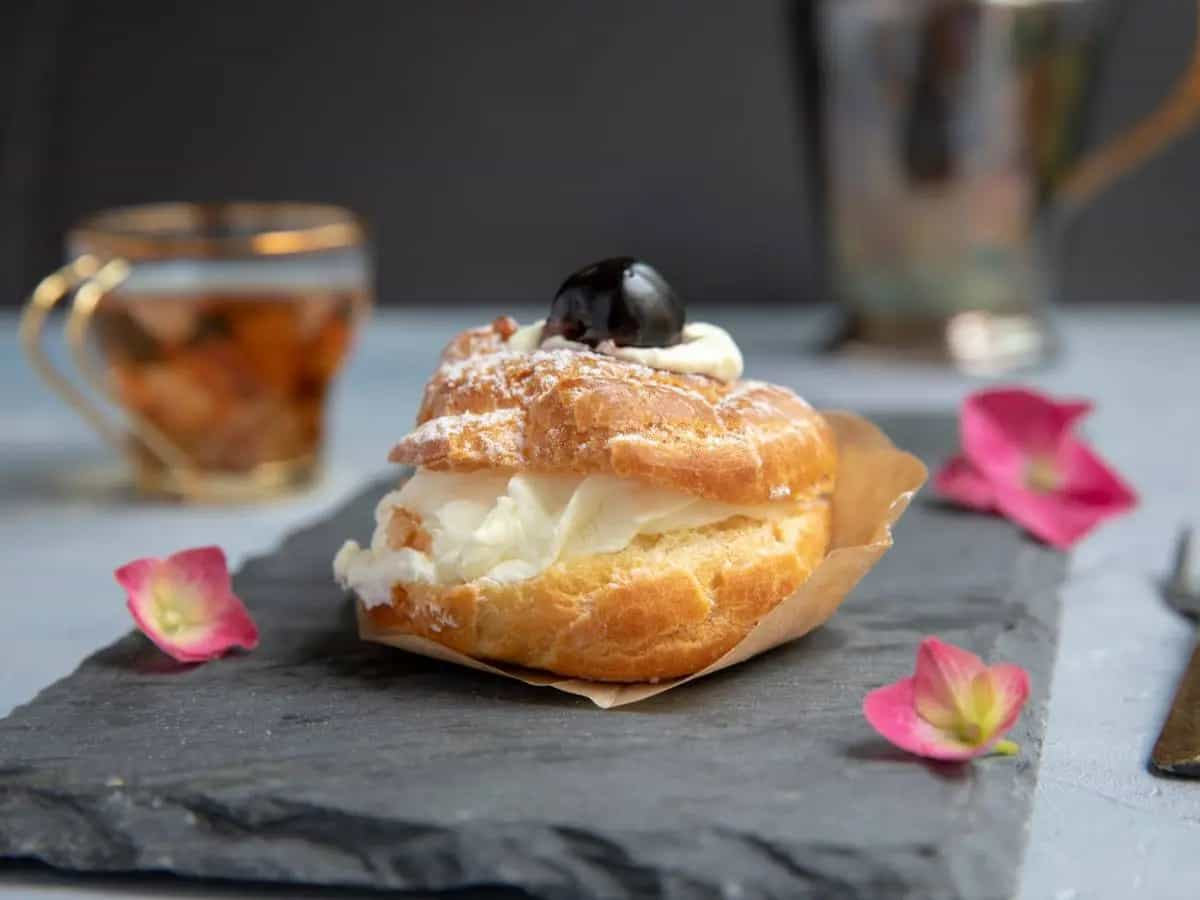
<point x="561" y="411"/>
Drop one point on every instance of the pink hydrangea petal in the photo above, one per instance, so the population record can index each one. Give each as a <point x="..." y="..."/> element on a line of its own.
<point x="892" y="713"/>
<point x="1022" y="447"/>
<point x="1089" y="479"/>
<point x="1006" y="688"/>
<point x="942" y="682"/>
<point x="1090" y="493"/>
<point x="185" y="604"/>
<point x="204" y="567"/>
<point x="961" y="482"/>
<point x="968" y="706"/>
<point x="134" y="577"/>
<point x="1059" y="518"/>
<point x="1002" y="429"/>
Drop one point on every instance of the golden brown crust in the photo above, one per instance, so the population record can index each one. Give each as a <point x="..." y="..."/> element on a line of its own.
<point x="584" y="413"/>
<point x="665" y="606"/>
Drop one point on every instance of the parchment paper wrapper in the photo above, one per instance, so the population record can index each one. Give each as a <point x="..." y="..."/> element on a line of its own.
<point x="875" y="483"/>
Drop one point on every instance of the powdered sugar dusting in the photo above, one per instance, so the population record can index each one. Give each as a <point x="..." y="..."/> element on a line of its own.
<point x="437" y="616"/>
<point x="570" y="409"/>
<point x="445" y="428"/>
<point x="745" y="386"/>
<point x="498" y="434"/>
<point x="710" y="441"/>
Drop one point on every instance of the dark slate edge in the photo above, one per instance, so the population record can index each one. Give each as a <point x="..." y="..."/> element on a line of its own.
<point x="983" y="861"/>
<point x="548" y="861"/>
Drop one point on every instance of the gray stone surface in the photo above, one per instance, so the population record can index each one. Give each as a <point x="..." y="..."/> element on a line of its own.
<point x="320" y="759"/>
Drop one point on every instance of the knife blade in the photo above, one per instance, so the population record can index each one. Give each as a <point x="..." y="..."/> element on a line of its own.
<point x="1177" y="751"/>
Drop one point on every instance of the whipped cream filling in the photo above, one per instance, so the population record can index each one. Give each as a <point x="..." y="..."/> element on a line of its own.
<point x="509" y="528"/>
<point x="704" y="350"/>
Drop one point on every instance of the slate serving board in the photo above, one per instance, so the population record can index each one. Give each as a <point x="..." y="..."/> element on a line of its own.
<point x="324" y="760"/>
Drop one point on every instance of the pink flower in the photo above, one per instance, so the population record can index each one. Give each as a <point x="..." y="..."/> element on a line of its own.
<point x="1022" y="458"/>
<point x="953" y="707"/>
<point x="186" y="605"/>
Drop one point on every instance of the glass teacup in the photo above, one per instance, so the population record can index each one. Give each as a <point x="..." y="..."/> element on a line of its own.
<point x="217" y="330"/>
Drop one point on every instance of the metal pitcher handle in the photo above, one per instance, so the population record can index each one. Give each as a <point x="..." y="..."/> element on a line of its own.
<point x="1178" y="112"/>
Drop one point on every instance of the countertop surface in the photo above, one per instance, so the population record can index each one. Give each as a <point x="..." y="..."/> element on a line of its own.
<point x="1103" y="827"/>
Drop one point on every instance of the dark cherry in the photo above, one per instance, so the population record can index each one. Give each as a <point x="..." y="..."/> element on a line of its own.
<point x="620" y="300"/>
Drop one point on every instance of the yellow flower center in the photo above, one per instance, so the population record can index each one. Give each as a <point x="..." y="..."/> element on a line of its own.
<point x="171" y="620"/>
<point x="968" y="732"/>
<point x="1042" y="475"/>
<point x="171" y="610"/>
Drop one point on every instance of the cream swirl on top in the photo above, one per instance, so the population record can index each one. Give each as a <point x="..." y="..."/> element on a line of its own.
<point x="704" y="350"/>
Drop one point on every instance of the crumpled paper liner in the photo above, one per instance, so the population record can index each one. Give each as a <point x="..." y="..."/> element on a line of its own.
<point x="875" y="483"/>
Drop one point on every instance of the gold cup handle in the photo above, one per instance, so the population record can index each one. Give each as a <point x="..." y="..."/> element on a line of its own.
<point x="1174" y="116"/>
<point x="90" y="280"/>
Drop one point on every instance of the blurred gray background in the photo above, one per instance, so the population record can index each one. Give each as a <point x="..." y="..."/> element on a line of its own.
<point x="497" y="146"/>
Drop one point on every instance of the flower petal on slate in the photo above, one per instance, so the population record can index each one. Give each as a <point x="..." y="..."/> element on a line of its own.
<point x="961" y="482"/>
<point x="953" y="707"/>
<point x="185" y="604"/>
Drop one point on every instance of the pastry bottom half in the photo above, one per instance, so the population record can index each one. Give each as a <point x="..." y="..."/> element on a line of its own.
<point x="665" y="606"/>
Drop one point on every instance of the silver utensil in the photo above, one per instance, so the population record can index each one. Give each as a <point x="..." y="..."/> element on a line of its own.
<point x="1177" y="751"/>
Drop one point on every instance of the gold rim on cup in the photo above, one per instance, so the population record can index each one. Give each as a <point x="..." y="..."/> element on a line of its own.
<point x="216" y="230"/>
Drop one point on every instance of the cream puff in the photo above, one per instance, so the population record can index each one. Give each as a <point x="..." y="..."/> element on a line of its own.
<point x="598" y="495"/>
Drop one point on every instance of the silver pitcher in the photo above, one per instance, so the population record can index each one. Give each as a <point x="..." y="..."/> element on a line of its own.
<point x="952" y="145"/>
